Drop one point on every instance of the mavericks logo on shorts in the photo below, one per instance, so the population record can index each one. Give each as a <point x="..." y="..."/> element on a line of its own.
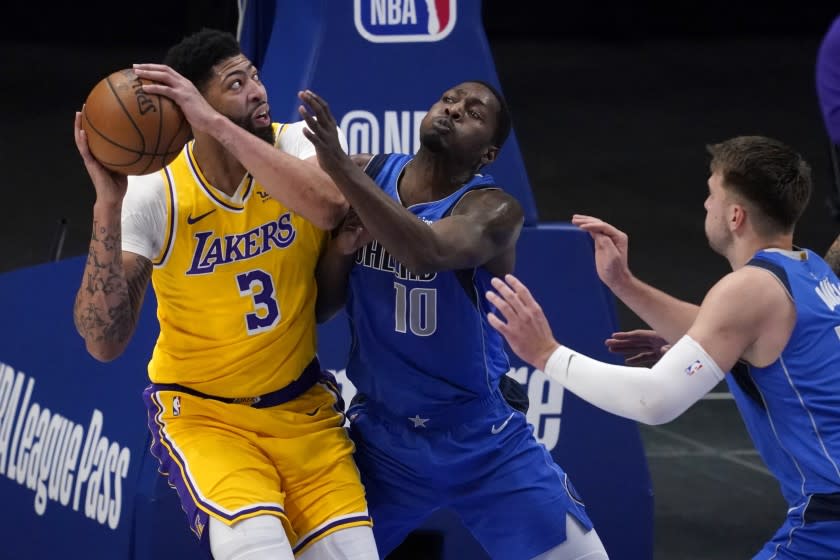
<point x="404" y="21"/>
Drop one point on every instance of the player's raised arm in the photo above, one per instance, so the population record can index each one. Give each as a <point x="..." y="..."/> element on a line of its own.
<point x="669" y="316"/>
<point x="484" y="225"/>
<point x="113" y="283"/>
<point x="304" y="188"/>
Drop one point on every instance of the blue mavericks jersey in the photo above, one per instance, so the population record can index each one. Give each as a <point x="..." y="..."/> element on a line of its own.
<point x="421" y="343"/>
<point x="792" y="407"/>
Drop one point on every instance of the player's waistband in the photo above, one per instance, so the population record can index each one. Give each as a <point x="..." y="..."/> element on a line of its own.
<point x="822" y="507"/>
<point x="310" y="376"/>
<point x="432" y="419"/>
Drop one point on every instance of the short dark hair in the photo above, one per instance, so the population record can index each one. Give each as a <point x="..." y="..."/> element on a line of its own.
<point x="504" y="121"/>
<point x="196" y="55"/>
<point x="767" y="173"/>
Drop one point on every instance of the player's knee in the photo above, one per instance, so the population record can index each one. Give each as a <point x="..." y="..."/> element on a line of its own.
<point x="258" y="538"/>
<point x="579" y="544"/>
<point x="354" y="543"/>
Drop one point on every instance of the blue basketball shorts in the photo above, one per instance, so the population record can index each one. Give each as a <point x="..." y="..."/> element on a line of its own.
<point x="502" y="483"/>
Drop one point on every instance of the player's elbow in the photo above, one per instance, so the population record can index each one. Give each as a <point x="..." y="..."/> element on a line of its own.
<point x="104" y="352"/>
<point x="333" y="210"/>
<point x="659" y="410"/>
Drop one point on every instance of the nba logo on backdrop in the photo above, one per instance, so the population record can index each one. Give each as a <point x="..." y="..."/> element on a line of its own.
<point x="404" y="21"/>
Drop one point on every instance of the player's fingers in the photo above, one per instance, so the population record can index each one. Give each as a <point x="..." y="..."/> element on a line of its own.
<point x="521" y="291"/>
<point x="507" y="294"/>
<point x="507" y="311"/>
<point x="319" y="107"/>
<point x="578" y="219"/>
<point x="634" y="334"/>
<point x="158" y="75"/>
<point x="625" y="347"/>
<point x="311" y="122"/>
<point x="146" y="66"/>
<point x="600" y="227"/>
<point x="642" y="359"/>
<point x="498" y="324"/>
<point x="312" y="137"/>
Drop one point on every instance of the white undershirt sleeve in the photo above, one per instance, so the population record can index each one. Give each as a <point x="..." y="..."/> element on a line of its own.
<point x="653" y="396"/>
<point x="292" y="141"/>
<point x="144" y="219"/>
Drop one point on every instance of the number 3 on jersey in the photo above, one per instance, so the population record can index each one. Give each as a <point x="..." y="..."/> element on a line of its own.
<point x="259" y="285"/>
<point x="415" y="309"/>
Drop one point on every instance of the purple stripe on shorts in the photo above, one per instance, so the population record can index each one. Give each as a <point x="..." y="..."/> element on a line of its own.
<point x="328" y="527"/>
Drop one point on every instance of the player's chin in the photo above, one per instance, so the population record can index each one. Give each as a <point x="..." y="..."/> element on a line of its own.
<point x="265" y="132"/>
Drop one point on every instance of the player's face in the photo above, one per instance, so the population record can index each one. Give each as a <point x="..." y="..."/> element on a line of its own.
<point x="237" y="92"/>
<point x="717" y="208"/>
<point x="462" y="122"/>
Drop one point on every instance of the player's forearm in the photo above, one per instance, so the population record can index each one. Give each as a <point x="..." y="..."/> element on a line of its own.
<point x="667" y="315"/>
<point x="332" y="276"/>
<point x="832" y="257"/>
<point x="303" y="187"/>
<point x="102" y="313"/>
<point x="649" y="395"/>
<point x="407" y="238"/>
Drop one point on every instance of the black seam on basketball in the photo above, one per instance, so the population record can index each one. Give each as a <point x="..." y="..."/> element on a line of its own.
<point x="127" y="113"/>
<point x="126" y="148"/>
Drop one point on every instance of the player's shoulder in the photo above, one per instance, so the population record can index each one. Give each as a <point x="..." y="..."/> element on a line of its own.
<point x="292" y="128"/>
<point x="491" y="199"/>
<point x="750" y="285"/>
<point x="144" y="190"/>
<point x="362" y="160"/>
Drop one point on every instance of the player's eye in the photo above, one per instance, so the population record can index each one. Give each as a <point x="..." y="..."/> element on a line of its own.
<point x="236" y="84"/>
<point x="475" y="115"/>
<point x="447" y="99"/>
<point x="256" y="77"/>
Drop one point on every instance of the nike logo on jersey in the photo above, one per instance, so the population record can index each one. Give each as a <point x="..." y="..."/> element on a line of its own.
<point x="495" y="430"/>
<point x="314" y="412"/>
<point x="191" y="220"/>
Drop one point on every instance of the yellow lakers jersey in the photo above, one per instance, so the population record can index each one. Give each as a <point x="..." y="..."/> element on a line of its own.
<point x="235" y="287"/>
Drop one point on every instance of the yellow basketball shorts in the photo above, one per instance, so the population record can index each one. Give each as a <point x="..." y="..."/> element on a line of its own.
<point x="234" y="461"/>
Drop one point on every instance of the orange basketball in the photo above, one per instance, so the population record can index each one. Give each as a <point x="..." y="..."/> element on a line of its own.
<point x="130" y="131"/>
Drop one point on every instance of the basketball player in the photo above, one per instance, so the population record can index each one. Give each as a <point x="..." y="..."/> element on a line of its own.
<point x="773" y="323"/>
<point x="248" y="429"/>
<point x="430" y="424"/>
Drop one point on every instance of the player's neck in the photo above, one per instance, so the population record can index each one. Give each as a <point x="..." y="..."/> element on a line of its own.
<point x="218" y="165"/>
<point x="744" y="249"/>
<point x="430" y="177"/>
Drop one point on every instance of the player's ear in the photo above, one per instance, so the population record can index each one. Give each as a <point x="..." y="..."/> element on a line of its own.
<point x="489" y="156"/>
<point x="737" y="216"/>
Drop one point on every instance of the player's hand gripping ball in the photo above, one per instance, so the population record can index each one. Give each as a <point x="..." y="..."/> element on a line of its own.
<point x="130" y="131"/>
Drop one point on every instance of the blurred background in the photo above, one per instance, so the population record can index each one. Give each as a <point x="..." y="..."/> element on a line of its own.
<point x="613" y="104"/>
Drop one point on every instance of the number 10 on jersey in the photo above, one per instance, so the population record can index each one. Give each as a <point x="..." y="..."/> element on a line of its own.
<point x="415" y="309"/>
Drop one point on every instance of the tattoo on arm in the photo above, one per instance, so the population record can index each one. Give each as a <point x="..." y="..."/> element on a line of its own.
<point x="108" y="302"/>
<point x="832" y="257"/>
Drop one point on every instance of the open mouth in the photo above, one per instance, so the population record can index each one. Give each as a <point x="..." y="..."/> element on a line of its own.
<point x="262" y="116"/>
<point x="442" y="124"/>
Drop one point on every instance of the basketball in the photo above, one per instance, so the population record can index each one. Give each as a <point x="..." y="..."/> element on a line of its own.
<point x="130" y="131"/>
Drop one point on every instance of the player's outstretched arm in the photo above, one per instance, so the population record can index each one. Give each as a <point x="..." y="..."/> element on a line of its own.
<point x="484" y="225"/>
<point x="725" y="331"/>
<point x="669" y="316"/>
<point x="303" y="187"/>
